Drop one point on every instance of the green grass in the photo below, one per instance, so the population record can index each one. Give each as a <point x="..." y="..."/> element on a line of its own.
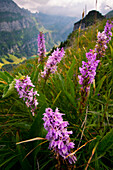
<point x="14" y="60"/>
<point x="92" y="130"/>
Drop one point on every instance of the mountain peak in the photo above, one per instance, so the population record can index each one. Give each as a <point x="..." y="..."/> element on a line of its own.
<point x="89" y="19"/>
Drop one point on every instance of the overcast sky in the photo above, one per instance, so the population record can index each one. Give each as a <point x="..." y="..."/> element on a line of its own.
<point x="66" y="7"/>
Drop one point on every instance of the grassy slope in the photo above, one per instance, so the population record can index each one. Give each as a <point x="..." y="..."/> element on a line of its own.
<point x="63" y="91"/>
<point x="78" y="43"/>
<point x="11" y="59"/>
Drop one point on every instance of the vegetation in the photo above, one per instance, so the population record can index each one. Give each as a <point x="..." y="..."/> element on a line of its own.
<point x="19" y="29"/>
<point x="91" y="125"/>
<point x="9" y="17"/>
<point x="10" y="60"/>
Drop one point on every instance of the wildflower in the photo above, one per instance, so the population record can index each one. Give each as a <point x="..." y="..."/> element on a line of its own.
<point x="58" y="134"/>
<point x="102" y="40"/>
<point x="88" y="70"/>
<point x="51" y="65"/>
<point x="25" y="90"/>
<point x="41" y="47"/>
<point x="107" y="30"/>
<point x="101" y="44"/>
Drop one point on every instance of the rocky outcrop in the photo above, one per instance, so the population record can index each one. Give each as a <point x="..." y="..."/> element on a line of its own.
<point x="17" y="28"/>
<point x="14" y="25"/>
<point x="88" y="20"/>
<point x="13" y="18"/>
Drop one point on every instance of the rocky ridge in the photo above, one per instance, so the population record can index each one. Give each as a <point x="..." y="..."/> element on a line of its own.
<point x="88" y="20"/>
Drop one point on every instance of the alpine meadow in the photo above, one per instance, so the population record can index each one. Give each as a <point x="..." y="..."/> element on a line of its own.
<point x="56" y="109"/>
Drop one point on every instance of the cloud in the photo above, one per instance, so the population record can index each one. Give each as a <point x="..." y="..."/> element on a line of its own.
<point x="31" y="4"/>
<point x="64" y="7"/>
<point x="67" y="9"/>
<point x="106" y="6"/>
<point x="42" y="1"/>
<point x="60" y="3"/>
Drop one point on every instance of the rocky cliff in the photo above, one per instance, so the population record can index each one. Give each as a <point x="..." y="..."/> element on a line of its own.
<point x="19" y="29"/>
<point x="14" y="25"/>
<point x="89" y="19"/>
<point x="13" y="18"/>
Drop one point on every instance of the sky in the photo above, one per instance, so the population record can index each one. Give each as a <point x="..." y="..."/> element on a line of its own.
<point x="72" y="8"/>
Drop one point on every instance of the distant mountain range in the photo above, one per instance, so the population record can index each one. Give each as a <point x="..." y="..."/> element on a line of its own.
<point x="109" y="14"/>
<point x="19" y="29"/>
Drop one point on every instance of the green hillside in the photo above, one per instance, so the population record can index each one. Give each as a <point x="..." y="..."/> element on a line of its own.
<point x="29" y="142"/>
<point x="10" y="60"/>
<point x="23" y="42"/>
<point x="19" y="29"/>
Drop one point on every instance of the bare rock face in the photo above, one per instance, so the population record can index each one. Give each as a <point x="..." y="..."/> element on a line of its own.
<point x="88" y="20"/>
<point x="12" y="17"/>
<point x="14" y="25"/>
